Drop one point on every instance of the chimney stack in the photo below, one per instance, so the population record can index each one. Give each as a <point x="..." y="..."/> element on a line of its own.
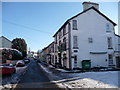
<point x="87" y="5"/>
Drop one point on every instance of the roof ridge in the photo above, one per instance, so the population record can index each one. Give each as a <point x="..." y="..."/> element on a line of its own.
<point x="84" y="12"/>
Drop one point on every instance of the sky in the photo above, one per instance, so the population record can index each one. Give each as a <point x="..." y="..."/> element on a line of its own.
<point x="37" y="22"/>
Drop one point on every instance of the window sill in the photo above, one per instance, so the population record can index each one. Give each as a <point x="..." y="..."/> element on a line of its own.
<point x="108" y="31"/>
<point x="110" y="48"/>
<point x="111" y="65"/>
<point x="75" y="48"/>
<point x="75" y="29"/>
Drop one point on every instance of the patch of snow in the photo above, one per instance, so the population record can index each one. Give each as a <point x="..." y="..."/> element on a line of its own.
<point x="51" y="66"/>
<point x="106" y="79"/>
<point x="62" y="70"/>
<point x="45" y="69"/>
<point x="9" y="82"/>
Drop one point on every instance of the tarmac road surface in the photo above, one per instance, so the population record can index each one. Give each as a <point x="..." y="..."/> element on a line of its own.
<point x="35" y="77"/>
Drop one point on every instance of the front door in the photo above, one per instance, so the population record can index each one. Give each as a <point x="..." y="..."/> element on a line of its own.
<point x="118" y="62"/>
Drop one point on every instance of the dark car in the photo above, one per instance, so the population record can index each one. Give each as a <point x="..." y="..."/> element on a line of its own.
<point x="38" y="61"/>
<point x="26" y="61"/>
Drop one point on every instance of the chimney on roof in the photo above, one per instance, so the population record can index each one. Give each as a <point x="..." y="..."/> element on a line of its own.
<point x="87" y="5"/>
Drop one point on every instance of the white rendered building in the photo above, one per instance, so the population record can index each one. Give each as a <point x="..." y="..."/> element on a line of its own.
<point x="89" y="35"/>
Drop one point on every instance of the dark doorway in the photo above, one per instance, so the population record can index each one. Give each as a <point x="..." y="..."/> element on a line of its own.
<point x="118" y="62"/>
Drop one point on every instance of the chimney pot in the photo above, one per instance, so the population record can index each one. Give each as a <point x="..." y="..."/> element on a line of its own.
<point x="87" y="5"/>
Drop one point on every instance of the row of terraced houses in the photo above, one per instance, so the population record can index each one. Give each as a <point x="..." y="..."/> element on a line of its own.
<point x="89" y="35"/>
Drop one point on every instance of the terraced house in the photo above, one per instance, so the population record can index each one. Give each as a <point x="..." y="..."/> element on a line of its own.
<point x="87" y="36"/>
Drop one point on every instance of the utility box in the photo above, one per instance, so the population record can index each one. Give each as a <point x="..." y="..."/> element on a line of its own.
<point x="86" y="64"/>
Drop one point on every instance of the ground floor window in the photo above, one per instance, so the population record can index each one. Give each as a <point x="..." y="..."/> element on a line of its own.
<point x="118" y="62"/>
<point x="75" y="61"/>
<point x="64" y="60"/>
<point x="110" y="59"/>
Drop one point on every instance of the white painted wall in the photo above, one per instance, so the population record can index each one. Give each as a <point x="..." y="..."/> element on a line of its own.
<point x="117" y="41"/>
<point x="92" y="24"/>
<point x="5" y="43"/>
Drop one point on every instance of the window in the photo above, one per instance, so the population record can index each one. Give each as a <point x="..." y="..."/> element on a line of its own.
<point x="75" y="50"/>
<point x="69" y="27"/>
<point x="110" y="58"/>
<point x="75" y="42"/>
<point x="59" y="43"/>
<point x="56" y="39"/>
<point x="60" y="34"/>
<point x="64" y="31"/>
<point x="64" y="44"/>
<point x="59" y="47"/>
<point x="109" y="42"/>
<point x="75" y="59"/>
<point x="107" y="27"/>
<point x="74" y="24"/>
<point x="90" y="40"/>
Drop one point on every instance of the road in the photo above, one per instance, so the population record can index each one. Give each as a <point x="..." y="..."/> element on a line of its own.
<point x="35" y="77"/>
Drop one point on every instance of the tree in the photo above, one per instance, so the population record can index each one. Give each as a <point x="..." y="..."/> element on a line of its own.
<point x="20" y="45"/>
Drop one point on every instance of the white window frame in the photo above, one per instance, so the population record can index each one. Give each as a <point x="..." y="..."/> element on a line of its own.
<point x="109" y="40"/>
<point x="108" y="27"/>
<point x="74" y="24"/>
<point x="90" y="40"/>
<point x="75" y="41"/>
<point x="110" y="59"/>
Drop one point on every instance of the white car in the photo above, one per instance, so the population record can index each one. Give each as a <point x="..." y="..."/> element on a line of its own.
<point x="20" y="63"/>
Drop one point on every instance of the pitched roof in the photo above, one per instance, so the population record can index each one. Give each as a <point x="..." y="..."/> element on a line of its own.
<point x="117" y="35"/>
<point x="82" y="13"/>
<point x="5" y="38"/>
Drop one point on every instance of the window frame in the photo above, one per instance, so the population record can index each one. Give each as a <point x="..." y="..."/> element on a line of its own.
<point x="64" y="30"/>
<point x="108" y="27"/>
<point x="110" y="59"/>
<point x="75" y="42"/>
<point x="90" y="40"/>
<point x="74" y="24"/>
<point x="109" y="41"/>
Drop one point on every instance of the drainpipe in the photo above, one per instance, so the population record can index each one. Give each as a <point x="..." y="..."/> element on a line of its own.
<point x="69" y="35"/>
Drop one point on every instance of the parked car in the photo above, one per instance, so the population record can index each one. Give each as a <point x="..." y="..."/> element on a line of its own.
<point x="20" y="63"/>
<point x="38" y="61"/>
<point x="26" y="61"/>
<point x="7" y="69"/>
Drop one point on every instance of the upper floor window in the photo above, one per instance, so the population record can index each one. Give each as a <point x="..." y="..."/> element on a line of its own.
<point x="75" y="42"/>
<point x="56" y="39"/>
<point x="64" y="44"/>
<point x="69" y="27"/>
<point x="59" y="43"/>
<point x="90" y="40"/>
<point x="64" y="40"/>
<point x="107" y="27"/>
<point x="109" y="39"/>
<point x="60" y="34"/>
<point x="74" y="24"/>
<point x="64" y="30"/>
